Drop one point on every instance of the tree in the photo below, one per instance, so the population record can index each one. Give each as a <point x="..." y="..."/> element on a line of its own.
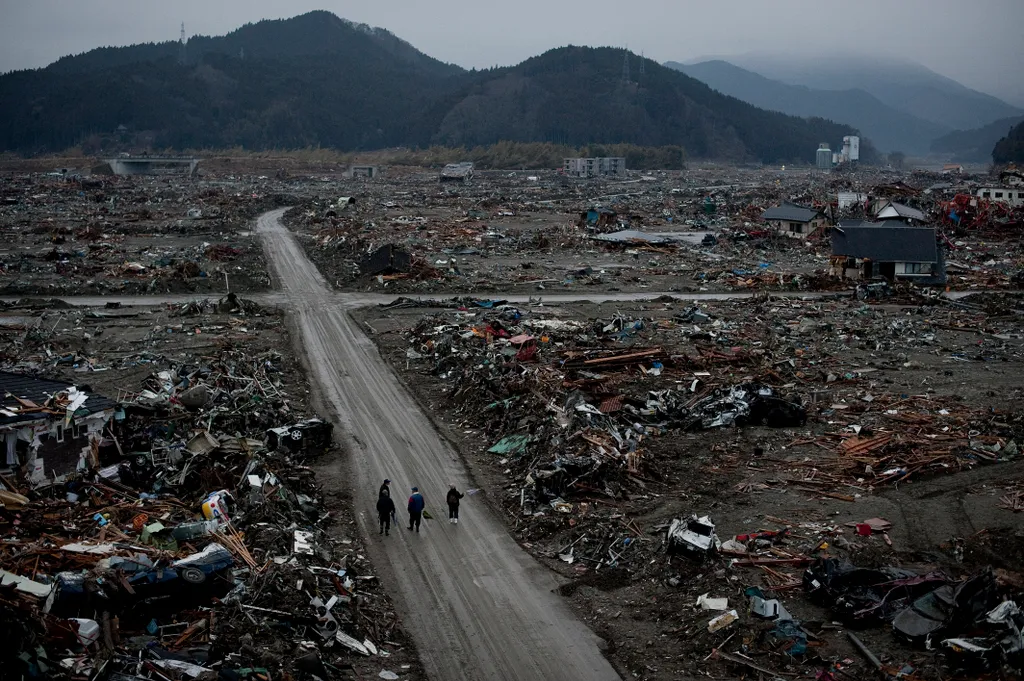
<point x="1010" y="149"/>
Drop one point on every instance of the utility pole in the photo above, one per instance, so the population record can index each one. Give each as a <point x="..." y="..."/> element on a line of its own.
<point x="182" y="53"/>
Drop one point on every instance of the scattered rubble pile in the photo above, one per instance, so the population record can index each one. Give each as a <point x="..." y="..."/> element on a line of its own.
<point x="627" y="436"/>
<point x="193" y="541"/>
<point x="700" y="230"/>
<point x="594" y="393"/>
<point x="72" y="234"/>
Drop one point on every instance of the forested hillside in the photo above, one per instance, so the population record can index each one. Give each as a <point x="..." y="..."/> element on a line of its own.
<point x="317" y="80"/>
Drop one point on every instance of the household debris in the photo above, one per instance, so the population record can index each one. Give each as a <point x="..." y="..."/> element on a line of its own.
<point x="192" y="539"/>
<point x="594" y="442"/>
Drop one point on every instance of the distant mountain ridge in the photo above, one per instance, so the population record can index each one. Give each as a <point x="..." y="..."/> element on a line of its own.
<point x="903" y="85"/>
<point x="975" y="146"/>
<point x="888" y="128"/>
<point x="320" y="80"/>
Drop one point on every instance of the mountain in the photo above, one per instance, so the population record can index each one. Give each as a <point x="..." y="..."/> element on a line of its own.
<point x="310" y="80"/>
<point x="320" y="80"/>
<point x="1010" y="149"/>
<point x="317" y="33"/>
<point x="974" y="146"/>
<point x="888" y="128"/>
<point x="903" y="85"/>
<point x="576" y="96"/>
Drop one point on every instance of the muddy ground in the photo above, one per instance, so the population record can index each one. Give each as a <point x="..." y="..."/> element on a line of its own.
<point x="943" y="374"/>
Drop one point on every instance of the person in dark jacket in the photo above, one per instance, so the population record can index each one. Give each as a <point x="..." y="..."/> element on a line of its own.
<point x="416" y="505"/>
<point x="454" y="496"/>
<point x="385" y="511"/>
<point x="385" y="487"/>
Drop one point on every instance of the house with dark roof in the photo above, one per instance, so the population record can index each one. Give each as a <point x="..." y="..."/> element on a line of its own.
<point x="794" y="220"/>
<point x="50" y="429"/>
<point x="901" y="252"/>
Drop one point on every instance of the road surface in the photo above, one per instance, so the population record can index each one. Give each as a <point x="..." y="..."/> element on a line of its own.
<point x="477" y="605"/>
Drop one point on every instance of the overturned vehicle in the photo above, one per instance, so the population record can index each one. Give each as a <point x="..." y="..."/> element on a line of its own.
<point x="746" y="404"/>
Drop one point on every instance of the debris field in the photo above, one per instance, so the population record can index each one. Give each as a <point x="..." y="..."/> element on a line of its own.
<point x="695" y="469"/>
<point x="190" y="539"/>
<point x="68" y="234"/>
<point x="697" y="230"/>
<point x="822" y="480"/>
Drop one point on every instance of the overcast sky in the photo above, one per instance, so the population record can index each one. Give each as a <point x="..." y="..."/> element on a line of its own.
<point x="977" y="43"/>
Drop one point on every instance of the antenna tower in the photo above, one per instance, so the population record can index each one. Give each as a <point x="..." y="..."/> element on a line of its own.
<point x="642" y="60"/>
<point x="625" y="65"/>
<point x="182" y="54"/>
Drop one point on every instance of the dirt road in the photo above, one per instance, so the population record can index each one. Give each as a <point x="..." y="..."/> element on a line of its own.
<point x="476" y="604"/>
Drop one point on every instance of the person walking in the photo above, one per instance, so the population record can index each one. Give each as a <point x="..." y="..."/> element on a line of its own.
<point x="453" y="498"/>
<point x="385" y="511"/>
<point x="416" y="505"/>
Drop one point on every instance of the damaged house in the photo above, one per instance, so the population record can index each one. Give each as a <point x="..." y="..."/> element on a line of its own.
<point x="794" y="220"/>
<point x="887" y="210"/>
<point x="890" y="251"/>
<point x="51" y="429"/>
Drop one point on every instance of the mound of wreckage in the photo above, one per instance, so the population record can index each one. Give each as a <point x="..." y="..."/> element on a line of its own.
<point x="573" y="410"/>
<point x="532" y="403"/>
<point x="177" y="532"/>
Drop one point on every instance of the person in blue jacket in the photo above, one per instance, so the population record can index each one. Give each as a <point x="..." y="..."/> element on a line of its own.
<point x="416" y="504"/>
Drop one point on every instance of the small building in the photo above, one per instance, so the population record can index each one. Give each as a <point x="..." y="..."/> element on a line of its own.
<point x="457" y="172"/>
<point x="368" y="172"/>
<point x="952" y="169"/>
<point x="875" y="249"/>
<point x="51" y="429"/>
<point x="1009" y="195"/>
<point x="886" y="210"/>
<point x="594" y="167"/>
<point x="794" y="220"/>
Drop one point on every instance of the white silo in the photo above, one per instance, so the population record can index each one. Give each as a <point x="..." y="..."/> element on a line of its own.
<point x="851" y="148"/>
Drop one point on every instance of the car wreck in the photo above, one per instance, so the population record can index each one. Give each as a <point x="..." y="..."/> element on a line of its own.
<point x="746" y="404"/>
<point x="694" y="536"/>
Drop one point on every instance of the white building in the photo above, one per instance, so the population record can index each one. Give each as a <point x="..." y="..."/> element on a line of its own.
<point x="593" y="167"/>
<point x="1013" y="196"/>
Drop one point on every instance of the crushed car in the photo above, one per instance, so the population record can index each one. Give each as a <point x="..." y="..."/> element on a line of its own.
<point x="693" y="536"/>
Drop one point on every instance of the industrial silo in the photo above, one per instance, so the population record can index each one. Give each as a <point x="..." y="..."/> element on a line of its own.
<point x="824" y="157"/>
